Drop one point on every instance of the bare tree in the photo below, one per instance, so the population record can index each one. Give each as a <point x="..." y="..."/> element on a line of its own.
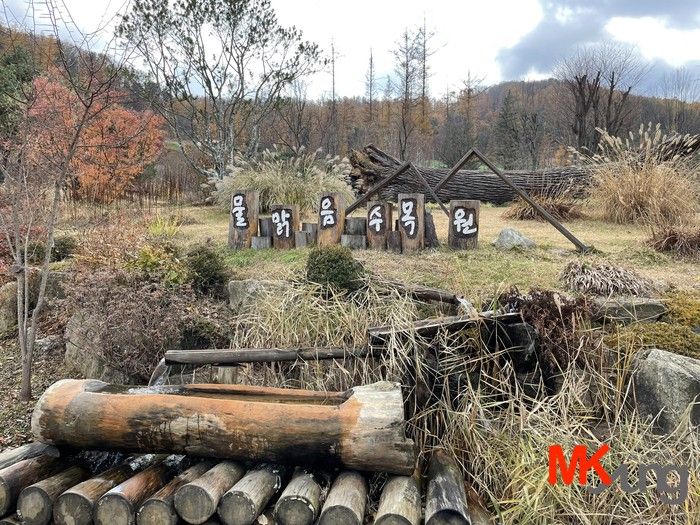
<point x="407" y="70"/>
<point x="679" y="89"/>
<point x="84" y="74"/>
<point x="597" y="82"/>
<point x="222" y="65"/>
<point x="295" y="117"/>
<point x="371" y="88"/>
<point x="425" y="38"/>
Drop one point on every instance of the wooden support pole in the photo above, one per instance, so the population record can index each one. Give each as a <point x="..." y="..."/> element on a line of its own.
<point x="399" y="503"/>
<point x="345" y="504"/>
<point x="285" y="223"/>
<point x="265" y="227"/>
<point x="377" y="188"/>
<point x="312" y="229"/>
<point x="76" y="505"/>
<point x="411" y="216"/>
<point x="259" y="355"/>
<point x="379" y="223"/>
<point x="301" y="239"/>
<point x="118" y="506"/>
<point x="196" y="501"/>
<point x="245" y="501"/>
<point x="446" y="499"/>
<point x="424" y="327"/>
<point x="464" y="224"/>
<point x="30" y="450"/>
<point x="362" y="428"/>
<point x="300" y="501"/>
<point x="159" y="509"/>
<point x="22" y="474"/>
<point x="35" y="503"/>
<point x="331" y="219"/>
<point x="243" y="219"/>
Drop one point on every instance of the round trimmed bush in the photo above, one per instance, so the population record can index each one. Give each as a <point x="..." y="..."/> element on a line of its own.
<point x="335" y="267"/>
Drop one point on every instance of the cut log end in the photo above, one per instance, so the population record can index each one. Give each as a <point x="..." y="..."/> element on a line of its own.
<point x="35" y="506"/>
<point x="72" y="509"/>
<point x="295" y="512"/>
<point x="194" y="504"/>
<point x="339" y="516"/>
<point x="237" y="509"/>
<point x="114" y="510"/>
<point x="156" y="512"/>
<point x="5" y="497"/>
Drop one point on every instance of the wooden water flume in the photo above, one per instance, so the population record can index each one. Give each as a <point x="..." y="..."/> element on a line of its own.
<point x="362" y="428"/>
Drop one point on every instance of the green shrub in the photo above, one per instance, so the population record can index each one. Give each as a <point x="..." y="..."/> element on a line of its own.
<point x="63" y="247"/>
<point x="207" y="272"/>
<point x="164" y="227"/>
<point x="160" y="263"/>
<point x="672" y="337"/>
<point x="334" y="266"/>
<point x="287" y="179"/>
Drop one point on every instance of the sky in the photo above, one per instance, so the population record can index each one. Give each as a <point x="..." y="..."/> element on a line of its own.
<point x="491" y="39"/>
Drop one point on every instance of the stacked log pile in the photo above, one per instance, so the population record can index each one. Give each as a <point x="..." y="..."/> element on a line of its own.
<point x="166" y="490"/>
<point x="370" y="165"/>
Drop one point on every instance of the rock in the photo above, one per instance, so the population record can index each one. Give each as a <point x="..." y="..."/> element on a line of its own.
<point x="520" y="341"/>
<point x="530" y="383"/>
<point x="510" y="238"/>
<point x="82" y="338"/>
<point x="665" y="385"/>
<point x="8" y="297"/>
<point x="244" y="292"/>
<point x="627" y="310"/>
<point x="49" y="344"/>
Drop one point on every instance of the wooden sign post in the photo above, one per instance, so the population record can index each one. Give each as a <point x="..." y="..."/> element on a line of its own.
<point x="285" y="224"/>
<point x="243" y="219"/>
<point x="331" y="219"/>
<point x="464" y="224"/>
<point x="412" y="221"/>
<point x="378" y="224"/>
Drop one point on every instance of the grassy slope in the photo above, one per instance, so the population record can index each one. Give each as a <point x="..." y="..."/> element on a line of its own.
<point x="476" y="272"/>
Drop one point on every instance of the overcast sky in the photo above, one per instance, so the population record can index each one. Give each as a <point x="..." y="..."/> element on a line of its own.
<point x="494" y="39"/>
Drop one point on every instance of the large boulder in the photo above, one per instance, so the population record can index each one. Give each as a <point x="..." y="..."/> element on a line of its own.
<point x="512" y="239"/>
<point x="245" y="292"/>
<point x="8" y="297"/>
<point x="665" y="385"/>
<point x="627" y="310"/>
<point x="82" y="338"/>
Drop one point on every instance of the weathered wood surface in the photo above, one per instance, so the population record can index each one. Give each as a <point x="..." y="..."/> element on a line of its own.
<point x="285" y="223"/>
<point x="312" y="229"/>
<point x="30" y="450"/>
<point x="431" y="236"/>
<point x="463" y="228"/>
<point x="118" y="506"/>
<point x="300" y="502"/>
<point x="393" y="241"/>
<point x="12" y="519"/>
<point x="331" y="219"/>
<point x="22" y="474"/>
<point x="362" y="428"/>
<point x="197" y="501"/>
<point x="301" y="239"/>
<point x="159" y="508"/>
<point x="356" y="226"/>
<point x="265" y="227"/>
<point x="258" y="355"/>
<point x="354" y="242"/>
<point x="400" y="502"/>
<point x="379" y="224"/>
<point x="425" y="327"/>
<point x="76" y="505"/>
<point x="411" y="217"/>
<point x="246" y="500"/>
<point x="424" y="293"/>
<point x="446" y="499"/>
<point x="261" y="243"/>
<point x="35" y="502"/>
<point x="243" y="218"/>
<point x="345" y="503"/>
<point x="371" y="165"/>
<point x="477" y="508"/>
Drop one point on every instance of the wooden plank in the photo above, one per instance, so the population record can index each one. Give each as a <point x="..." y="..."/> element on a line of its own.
<point x="258" y="355"/>
<point x="464" y="224"/>
<point x="362" y="428"/>
<point x="345" y="504"/>
<point x="356" y="226"/>
<point x="35" y="502"/>
<point x="197" y="501"/>
<point x="245" y="501"/>
<point x="411" y="216"/>
<point x="399" y="502"/>
<point x="300" y="502"/>
<point x="354" y="242"/>
<point x="393" y="241"/>
<point x="261" y="243"/>
<point x="22" y="474"/>
<point x="312" y="229"/>
<point x="265" y="227"/>
<point x="30" y="450"/>
<point x="331" y="219"/>
<point x="446" y="499"/>
<point x="379" y="223"/>
<point x="425" y="327"/>
<point x="243" y="218"/>
<point x="285" y="223"/>
<point x="159" y="509"/>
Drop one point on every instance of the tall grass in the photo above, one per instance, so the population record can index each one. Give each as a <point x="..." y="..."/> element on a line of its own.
<point x="464" y="397"/>
<point x="287" y="179"/>
<point x="636" y="179"/>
